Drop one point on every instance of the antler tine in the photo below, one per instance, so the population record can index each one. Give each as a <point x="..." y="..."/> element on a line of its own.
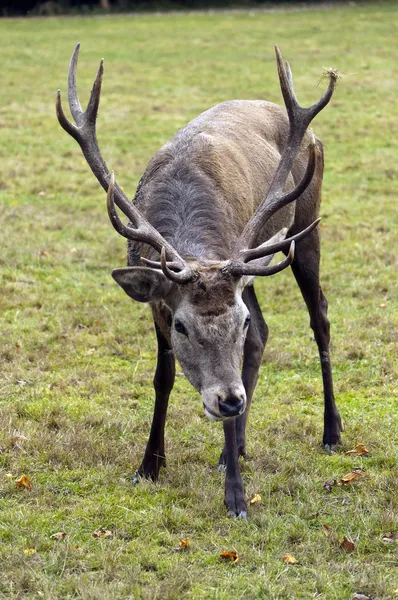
<point x="154" y="264"/>
<point x="183" y="276"/>
<point x="84" y="132"/>
<point x="259" y="270"/>
<point x="286" y="82"/>
<point x="74" y="104"/>
<point x="267" y="249"/>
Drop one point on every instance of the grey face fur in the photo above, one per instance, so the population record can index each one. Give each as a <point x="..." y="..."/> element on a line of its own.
<point x="209" y="348"/>
<point x="209" y="322"/>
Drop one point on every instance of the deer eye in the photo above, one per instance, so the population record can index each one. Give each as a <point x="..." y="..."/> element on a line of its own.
<point x="247" y="321"/>
<point x="179" y="327"/>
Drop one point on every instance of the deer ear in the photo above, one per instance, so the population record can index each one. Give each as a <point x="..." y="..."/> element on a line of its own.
<point x="142" y="283"/>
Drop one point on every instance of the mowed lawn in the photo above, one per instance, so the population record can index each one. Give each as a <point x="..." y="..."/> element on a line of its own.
<point x="77" y="356"/>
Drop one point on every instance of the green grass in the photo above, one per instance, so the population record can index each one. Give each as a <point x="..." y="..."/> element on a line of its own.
<point x="77" y="357"/>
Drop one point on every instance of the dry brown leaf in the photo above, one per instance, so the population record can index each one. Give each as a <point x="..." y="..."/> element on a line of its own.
<point x="255" y="499"/>
<point x="102" y="533"/>
<point x="347" y="544"/>
<point x="23" y="482"/>
<point x="359" y="450"/>
<point x="352" y="476"/>
<point x="60" y="535"/>
<point x="230" y="554"/>
<point x="29" y="551"/>
<point x="183" y="545"/>
<point x="391" y="537"/>
<point x="289" y="559"/>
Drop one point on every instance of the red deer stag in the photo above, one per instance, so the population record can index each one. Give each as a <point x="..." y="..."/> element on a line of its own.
<point x="214" y="205"/>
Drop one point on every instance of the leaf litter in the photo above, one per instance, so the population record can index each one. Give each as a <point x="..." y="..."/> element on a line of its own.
<point x="23" y="482"/>
<point x="230" y="555"/>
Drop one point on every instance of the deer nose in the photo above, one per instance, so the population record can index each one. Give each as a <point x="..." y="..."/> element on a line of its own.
<point x="231" y="406"/>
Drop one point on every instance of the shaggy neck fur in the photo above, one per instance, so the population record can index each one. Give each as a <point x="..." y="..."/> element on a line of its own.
<point x="183" y="208"/>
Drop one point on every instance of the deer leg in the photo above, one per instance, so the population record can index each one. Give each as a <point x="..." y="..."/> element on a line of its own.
<point x="252" y="355"/>
<point x="234" y="491"/>
<point x="306" y="271"/>
<point x="154" y="456"/>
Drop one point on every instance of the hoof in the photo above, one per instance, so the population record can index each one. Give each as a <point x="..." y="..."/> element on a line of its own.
<point x="240" y="515"/>
<point x="330" y="448"/>
<point x="331" y="434"/>
<point x="136" y="478"/>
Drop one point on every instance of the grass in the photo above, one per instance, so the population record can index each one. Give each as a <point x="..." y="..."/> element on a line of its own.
<point x="77" y="357"/>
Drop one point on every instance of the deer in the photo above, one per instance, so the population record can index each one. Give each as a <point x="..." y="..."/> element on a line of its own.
<point x="238" y="184"/>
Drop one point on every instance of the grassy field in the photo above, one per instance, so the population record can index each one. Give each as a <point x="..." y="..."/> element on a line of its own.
<point x="77" y="357"/>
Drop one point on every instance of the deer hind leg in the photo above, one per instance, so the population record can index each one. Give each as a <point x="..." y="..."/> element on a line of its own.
<point x="306" y="271"/>
<point x="252" y="355"/>
<point x="154" y="456"/>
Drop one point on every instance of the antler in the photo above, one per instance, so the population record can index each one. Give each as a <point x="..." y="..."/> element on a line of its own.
<point x="276" y="198"/>
<point x="84" y="132"/>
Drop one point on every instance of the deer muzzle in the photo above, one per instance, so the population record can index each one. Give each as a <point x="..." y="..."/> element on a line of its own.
<point x="220" y="404"/>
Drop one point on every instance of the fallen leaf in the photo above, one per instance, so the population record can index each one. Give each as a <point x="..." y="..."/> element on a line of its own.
<point x="359" y="450"/>
<point x="230" y="554"/>
<point x="391" y="537"/>
<point x="90" y="351"/>
<point x="29" y="551"/>
<point x="289" y="559"/>
<point x="60" y="535"/>
<point x="347" y="544"/>
<point x="42" y="193"/>
<point x="383" y="305"/>
<point x="352" y="476"/>
<point x="23" y="482"/>
<point x="255" y="499"/>
<point x="359" y="596"/>
<point x="102" y="533"/>
<point x="43" y="253"/>
<point x="9" y="476"/>
<point x="183" y="545"/>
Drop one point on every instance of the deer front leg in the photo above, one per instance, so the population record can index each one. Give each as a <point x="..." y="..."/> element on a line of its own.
<point x="154" y="456"/>
<point x="234" y="491"/>
<point x="252" y="355"/>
